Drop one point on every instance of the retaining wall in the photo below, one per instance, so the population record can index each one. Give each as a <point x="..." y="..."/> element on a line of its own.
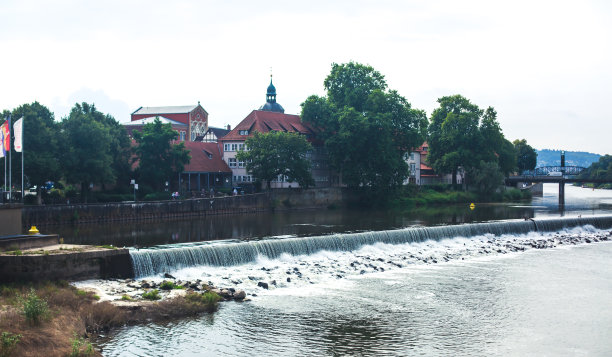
<point x="130" y="211"/>
<point x="103" y="263"/>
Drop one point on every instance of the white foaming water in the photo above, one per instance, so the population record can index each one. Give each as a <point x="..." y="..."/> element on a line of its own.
<point x="312" y="274"/>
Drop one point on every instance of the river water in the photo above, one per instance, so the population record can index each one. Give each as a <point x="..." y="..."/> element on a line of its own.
<point x="456" y="296"/>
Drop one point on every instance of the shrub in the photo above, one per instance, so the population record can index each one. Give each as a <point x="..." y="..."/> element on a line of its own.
<point x="34" y="308"/>
<point x="80" y="347"/>
<point x="126" y="297"/>
<point x="157" y="196"/>
<point x="168" y="285"/>
<point x="207" y="298"/>
<point x="151" y="295"/>
<point x="9" y="341"/>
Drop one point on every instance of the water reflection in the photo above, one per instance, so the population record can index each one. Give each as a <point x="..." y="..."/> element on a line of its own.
<point x="324" y="221"/>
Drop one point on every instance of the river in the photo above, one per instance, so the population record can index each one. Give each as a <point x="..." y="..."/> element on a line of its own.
<point x="453" y="296"/>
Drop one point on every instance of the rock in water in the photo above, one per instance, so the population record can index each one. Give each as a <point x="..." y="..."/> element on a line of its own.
<point x="262" y="284"/>
<point x="239" y="295"/>
<point x="168" y="276"/>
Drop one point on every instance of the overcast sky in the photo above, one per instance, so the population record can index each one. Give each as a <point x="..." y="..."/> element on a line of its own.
<point x="546" y="66"/>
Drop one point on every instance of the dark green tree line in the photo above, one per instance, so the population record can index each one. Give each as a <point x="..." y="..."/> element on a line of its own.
<point x="365" y="127"/>
<point x="278" y="153"/>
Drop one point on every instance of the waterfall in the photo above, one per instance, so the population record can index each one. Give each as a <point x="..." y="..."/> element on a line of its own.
<point x="152" y="261"/>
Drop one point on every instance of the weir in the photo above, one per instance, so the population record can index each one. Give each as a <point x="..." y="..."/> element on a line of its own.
<point x="152" y="261"/>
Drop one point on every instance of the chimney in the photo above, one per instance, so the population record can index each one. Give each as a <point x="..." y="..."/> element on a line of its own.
<point x="229" y="127"/>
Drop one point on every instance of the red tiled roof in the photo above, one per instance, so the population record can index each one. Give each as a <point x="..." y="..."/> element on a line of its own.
<point x="200" y="160"/>
<point x="264" y="121"/>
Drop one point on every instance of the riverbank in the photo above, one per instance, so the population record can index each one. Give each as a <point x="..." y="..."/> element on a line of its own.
<point x="423" y="196"/>
<point x="58" y="319"/>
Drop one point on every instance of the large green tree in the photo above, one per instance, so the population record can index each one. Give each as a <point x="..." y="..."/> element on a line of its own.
<point x="277" y="153"/>
<point x="40" y="142"/>
<point x="159" y="159"/>
<point x="526" y="156"/>
<point x="461" y="135"/>
<point x="86" y="148"/>
<point x="366" y="128"/>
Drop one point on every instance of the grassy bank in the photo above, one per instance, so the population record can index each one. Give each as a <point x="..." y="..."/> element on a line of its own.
<point x="440" y="195"/>
<point x="56" y="319"/>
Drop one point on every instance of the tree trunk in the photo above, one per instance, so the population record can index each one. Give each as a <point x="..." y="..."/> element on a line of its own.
<point x="455" y="179"/>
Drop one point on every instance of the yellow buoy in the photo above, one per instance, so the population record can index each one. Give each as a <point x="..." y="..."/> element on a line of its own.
<point x="33" y="230"/>
<point x="472" y="206"/>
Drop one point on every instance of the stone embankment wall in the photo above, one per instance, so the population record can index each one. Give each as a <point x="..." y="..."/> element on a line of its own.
<point x="130" y="211"/>
<point x="103" y="263"/>
<point x="288" y="198"/>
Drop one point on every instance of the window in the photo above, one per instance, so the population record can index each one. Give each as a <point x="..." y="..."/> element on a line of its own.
<point x="240" y="147"/>
<point x="243" y="132"/>
<point x="240" y="163"/>
<point x="208" y="154"/>
<point x="231" y="162"/>
<point x="412" y="169"/>
<point x="226" y="147"/>
<point x="234" y="147"/>
<point x="411" y="156"/>
<point x="182" y="136"/>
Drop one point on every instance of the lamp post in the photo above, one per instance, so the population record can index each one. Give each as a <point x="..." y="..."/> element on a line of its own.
<point x="133" y="183"/>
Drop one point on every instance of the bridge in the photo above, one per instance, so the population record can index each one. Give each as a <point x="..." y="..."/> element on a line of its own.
<point x="554" y="174"/>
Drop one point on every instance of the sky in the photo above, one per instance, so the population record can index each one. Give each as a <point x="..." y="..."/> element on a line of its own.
<point x="545" y="66"/>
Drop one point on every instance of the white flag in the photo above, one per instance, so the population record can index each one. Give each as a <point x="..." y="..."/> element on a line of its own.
<point x="17" y="129"/>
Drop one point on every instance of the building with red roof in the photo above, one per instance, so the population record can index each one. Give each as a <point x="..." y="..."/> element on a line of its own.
<point x="420" y="173"/>
<point x="206" y="168"/>
<point x="271" y="117"/>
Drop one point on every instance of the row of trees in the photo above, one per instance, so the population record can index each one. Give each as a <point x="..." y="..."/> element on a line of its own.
<point x="89" y="147"/>
<point x="601" y="169"/>
<point x="367" y="129"/>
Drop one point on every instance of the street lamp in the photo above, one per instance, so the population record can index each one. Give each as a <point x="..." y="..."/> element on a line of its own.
<point x="133" y="182"/>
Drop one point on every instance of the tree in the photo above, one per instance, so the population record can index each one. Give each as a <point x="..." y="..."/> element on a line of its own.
<point x="462" y="135"/>
<point x="277" y="153"/>
<point x="526" y="156"/>
<point x="158" y="158"/>
<point x="486" y="176"/>
<point x="85" y="149"/>
<point x="40" y="142"/>
<point x="366" y="128"/>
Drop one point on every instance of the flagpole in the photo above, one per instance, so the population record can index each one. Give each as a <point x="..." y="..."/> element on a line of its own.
<point x="10" y="163"/>
<point x="22" y="153"/>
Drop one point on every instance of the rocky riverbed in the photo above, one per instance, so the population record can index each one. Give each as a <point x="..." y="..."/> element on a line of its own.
<point x="246" y="281"/>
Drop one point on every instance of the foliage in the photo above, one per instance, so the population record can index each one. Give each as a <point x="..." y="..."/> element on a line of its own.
<point x="366" y="128"/>
<point x="168" y="285"/>
<point x="34" y="308"/>
<point x="601" y="169"/>
<point x="157" y="196"/>
<point x="526" y="156"/>
<point x="40" y="142"/>
<point x="80" y="347"/>
<point x="275" y="154"/>
<point x="487" y="177"/>
<point x="126" y="297"/>
<point x="151" y="295"/>
<point x="90" y="147"/>
<point x="8" y="342"/>
<point x="158" y="158"/>
<point x="461" y="135"/>
<point x="207" y="298"/>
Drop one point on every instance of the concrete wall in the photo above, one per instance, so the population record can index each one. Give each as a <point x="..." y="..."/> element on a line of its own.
<point x="67" y="266"/>
<point x="287" y="198"/>
<point x="10" y="220"/>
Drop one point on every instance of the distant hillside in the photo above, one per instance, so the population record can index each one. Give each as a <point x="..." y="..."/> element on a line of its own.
<point x="548" y="157"/>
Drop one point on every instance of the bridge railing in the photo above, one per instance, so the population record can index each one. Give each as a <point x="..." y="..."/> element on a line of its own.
<point x="554" y="171"/>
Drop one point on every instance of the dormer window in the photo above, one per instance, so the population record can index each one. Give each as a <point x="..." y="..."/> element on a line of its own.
<point x="243" y="132"/>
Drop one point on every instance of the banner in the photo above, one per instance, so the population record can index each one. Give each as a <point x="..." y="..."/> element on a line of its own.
<point x="2" y="153"/>
<point x="6" y="137"/>
<point x="17" y="130"/>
